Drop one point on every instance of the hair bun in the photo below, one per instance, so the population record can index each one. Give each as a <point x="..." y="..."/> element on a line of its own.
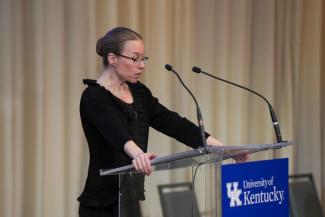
<point x="99" y="46"/>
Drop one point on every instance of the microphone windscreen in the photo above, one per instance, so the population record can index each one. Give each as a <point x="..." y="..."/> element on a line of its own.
<point x="168" y="67"/>
<point x="196" y="69"/>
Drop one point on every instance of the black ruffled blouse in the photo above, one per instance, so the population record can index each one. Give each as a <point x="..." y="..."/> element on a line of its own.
<point x="109" y="122"/>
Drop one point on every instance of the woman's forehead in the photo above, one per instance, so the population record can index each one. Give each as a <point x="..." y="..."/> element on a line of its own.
<point x="134" y="46"/>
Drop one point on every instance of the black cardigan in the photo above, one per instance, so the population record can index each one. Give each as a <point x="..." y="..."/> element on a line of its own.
<point x="108" y="123"/>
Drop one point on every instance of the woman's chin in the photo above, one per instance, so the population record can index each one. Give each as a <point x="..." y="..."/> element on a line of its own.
<point x="134" y="80"/>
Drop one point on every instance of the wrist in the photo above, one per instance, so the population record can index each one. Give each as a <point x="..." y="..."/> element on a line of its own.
<point x="214" y="142"/>
<point x="132" y="149"/>
<point x="137" y="155"/>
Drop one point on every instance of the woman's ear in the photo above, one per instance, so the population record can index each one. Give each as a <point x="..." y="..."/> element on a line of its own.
<point x="111" y="58"/>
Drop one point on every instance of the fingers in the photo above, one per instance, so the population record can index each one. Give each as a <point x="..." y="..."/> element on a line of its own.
<point x="142" y="163"/>
<point x="219" y="143"/>
<point x="152" y="156"/>
<point x="241" y="158"/>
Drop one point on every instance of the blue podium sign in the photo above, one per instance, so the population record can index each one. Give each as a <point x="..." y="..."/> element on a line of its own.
<point x="255" y="189"/>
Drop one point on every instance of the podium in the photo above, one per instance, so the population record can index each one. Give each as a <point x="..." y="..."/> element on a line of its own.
<point x="205" y="165"/>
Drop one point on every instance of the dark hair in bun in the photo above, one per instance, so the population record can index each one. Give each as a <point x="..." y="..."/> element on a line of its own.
<point x="113" y="42"/>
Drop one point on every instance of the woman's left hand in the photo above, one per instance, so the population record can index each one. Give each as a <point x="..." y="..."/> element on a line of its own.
<point x="240" y="158"/>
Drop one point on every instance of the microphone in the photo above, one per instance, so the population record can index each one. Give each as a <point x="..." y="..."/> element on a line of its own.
<point x="273" y="116"/>
<point x="198" y="111"/>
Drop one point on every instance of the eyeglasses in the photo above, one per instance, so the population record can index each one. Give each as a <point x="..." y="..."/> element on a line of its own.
<point x="137" y="60"/>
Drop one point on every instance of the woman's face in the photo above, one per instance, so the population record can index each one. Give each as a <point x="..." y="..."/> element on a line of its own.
<point x="129" y="64"/>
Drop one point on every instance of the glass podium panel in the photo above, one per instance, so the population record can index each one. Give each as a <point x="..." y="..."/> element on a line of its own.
<point x="182" y="184"/>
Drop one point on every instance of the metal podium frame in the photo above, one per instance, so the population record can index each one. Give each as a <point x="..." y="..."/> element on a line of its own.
<point x="211" y="157"/>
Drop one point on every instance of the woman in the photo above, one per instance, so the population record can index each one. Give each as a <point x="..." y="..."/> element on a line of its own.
<point x="116" y="111"/>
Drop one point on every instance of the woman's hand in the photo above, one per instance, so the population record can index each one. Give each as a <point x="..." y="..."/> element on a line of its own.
<point x="141" y="162"/>
<point x="214" y="142"/>
<point x="241" y="157"/>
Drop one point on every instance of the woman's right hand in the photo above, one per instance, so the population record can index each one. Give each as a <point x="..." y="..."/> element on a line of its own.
<point x="141" y="162"/>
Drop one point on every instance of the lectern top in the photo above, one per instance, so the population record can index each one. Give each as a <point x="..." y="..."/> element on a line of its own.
<point x="198" y="156"/>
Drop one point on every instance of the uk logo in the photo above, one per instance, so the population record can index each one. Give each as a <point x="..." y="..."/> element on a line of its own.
<point x="233" y="194"/>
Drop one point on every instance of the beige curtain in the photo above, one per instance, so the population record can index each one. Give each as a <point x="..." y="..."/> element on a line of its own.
<point x="276" y="47"/>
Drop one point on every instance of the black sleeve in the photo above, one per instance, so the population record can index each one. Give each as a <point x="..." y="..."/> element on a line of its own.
<point x="97" y="108"/>
<point x="173" y="125"/>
